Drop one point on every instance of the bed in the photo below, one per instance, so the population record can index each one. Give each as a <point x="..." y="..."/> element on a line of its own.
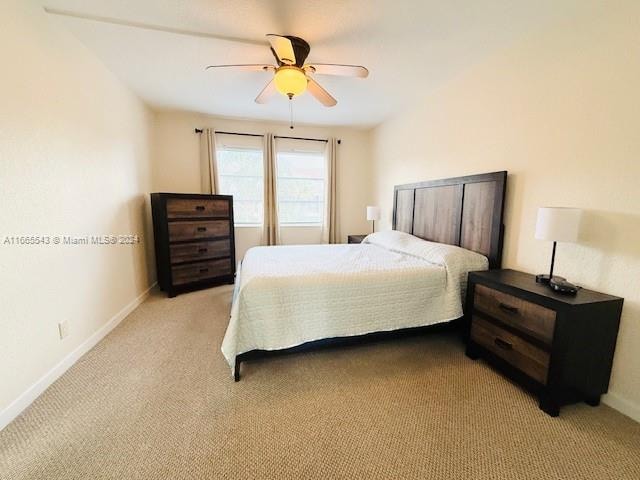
<point x="289" y="298"/>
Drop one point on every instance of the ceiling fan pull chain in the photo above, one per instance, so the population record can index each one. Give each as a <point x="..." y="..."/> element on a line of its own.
<point x="291" y="112"/>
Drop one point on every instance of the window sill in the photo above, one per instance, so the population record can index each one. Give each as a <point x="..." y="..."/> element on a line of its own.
<point x="301" y="225"/>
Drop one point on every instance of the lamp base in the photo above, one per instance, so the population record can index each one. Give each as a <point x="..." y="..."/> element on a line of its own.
<point x="544" y="278"/>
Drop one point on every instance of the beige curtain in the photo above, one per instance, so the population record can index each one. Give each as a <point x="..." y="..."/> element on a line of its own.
<point x="271" y="229"/>
<point x="330" y="224"/>
<point x="208" y="160"/>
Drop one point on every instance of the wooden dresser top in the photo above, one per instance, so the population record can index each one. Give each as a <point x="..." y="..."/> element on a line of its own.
<point x="526" y="283"/>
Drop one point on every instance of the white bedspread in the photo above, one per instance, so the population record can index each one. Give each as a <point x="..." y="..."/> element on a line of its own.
<point x="289" y="295"/>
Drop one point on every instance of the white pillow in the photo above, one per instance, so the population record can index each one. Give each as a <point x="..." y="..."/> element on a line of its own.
<point x="450" y="256"/>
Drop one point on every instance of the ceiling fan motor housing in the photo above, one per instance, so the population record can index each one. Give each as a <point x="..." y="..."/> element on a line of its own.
<point x="301" y="50"/>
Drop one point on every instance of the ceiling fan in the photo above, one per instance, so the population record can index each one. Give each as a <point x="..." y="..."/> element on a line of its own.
<point x="292" y="76"/>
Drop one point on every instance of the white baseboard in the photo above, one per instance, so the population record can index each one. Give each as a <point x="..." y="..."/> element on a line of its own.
<point x="34" y="391"/>
<point x="624" y="406"/>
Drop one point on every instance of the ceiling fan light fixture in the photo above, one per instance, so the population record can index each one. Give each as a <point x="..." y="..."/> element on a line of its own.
<point x="290" y="81"/>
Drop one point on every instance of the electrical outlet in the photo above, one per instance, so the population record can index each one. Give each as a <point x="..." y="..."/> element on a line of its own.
<point x="63" y="329"/>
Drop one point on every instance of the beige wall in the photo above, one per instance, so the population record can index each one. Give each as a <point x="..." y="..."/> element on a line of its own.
<point x="178" y="168"/>
<point x="559" y="111"/>
<point x="74" y="160"/>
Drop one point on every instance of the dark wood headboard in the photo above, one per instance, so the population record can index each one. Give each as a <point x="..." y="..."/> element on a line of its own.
<point x="463" y="211"/>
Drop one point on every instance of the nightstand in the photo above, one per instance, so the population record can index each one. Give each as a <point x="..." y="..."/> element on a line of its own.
<point x="560" y="347"/>
<point x="355" y="238"/>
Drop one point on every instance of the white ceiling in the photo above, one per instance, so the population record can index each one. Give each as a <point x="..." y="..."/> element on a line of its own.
<point x="408" y="46"/>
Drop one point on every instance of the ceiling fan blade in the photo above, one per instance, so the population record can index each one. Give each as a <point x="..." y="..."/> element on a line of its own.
<point x="333" y="69"/>
<point x="267" y="92"/>
<point x="320" y="93"/>
<point x="282" y="48"/>
<point x="245" y="67"/>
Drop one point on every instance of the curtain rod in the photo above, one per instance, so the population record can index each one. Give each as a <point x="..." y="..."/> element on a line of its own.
<point x="200" y="130"/>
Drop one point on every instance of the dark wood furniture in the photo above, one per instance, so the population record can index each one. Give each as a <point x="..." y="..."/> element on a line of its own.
<point x="194" y="240"/>
<point x="560" y="347"/>
<point x="474" y="207"/>
<point x="463" y="211"/>
<point x="355" y="238"/>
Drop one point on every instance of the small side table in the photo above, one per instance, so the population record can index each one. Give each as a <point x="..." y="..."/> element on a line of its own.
<point x="355" y="238"/>
<point x="560" y="346"/>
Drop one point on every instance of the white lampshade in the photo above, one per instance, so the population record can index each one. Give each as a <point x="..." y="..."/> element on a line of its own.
<point x="558" y="224"/>
<point x="373" y="213"/>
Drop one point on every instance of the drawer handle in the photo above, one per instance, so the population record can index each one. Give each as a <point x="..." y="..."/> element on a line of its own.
<point x="508" y="308"/>
<point x="200" y="208"/>
<point x="202" y="229"/>
<point x="204" y="270"/>
<point x="202" y="250"/>
<point x="502" y="344"/>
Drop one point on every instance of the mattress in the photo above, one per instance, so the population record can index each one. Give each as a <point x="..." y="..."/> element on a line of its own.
<point x="289" y="295"/>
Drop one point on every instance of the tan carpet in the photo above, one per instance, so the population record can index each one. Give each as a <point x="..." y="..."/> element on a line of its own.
<point x="156" y="400"/>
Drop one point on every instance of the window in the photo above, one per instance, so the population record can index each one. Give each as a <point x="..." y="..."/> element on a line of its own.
<point x="301" y="185"/>
<point x="300" y="178"/>
<point x="240" y="173"/>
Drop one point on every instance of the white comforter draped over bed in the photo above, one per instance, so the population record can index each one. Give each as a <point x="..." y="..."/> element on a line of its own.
<point x="289" y="295"/>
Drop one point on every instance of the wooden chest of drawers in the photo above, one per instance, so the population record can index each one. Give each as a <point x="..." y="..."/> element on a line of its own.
<point x="194" y="240"/>
<point x="561" y="347"/>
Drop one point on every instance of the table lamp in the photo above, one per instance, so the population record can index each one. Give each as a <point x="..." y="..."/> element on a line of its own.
<point x="557" y="224"/>
<point x="373" y="214"/>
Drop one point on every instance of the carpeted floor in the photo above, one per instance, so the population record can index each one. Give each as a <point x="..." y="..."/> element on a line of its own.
<point x="156" y="400"/>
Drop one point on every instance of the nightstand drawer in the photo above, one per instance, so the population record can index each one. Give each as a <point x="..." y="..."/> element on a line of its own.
<point x="515" y="350"/>
<point x="532" y="319"/>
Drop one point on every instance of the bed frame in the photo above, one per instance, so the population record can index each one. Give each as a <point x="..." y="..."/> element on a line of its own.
<point x="464" y="211"/>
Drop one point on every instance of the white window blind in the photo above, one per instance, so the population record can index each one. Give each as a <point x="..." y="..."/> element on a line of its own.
<point x="301" y="181"/>
<point x="240" y="164"/>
